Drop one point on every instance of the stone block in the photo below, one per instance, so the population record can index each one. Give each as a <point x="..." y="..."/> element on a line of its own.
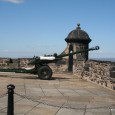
<point x="112" y="80"/>
<point x="113" y="87"/>
<point x="13" y="65"/>
<point x="112" y="74"/>
<point x="86" y="68"/>
<point x="112" y="68"/>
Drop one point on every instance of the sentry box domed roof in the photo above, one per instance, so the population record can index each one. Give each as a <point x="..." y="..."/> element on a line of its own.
<point x="78" y="35"/>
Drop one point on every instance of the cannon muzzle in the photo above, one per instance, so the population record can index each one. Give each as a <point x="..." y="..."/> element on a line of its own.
<point x="95" y="48"/>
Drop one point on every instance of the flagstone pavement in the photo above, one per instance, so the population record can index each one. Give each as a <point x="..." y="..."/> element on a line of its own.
<point x="65" y="94"/>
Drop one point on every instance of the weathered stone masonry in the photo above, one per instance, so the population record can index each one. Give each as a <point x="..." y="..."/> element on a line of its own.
<point x="16" y="63"/>
<point x="99" y="72"/>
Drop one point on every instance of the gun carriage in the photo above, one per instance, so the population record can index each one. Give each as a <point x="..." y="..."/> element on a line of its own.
<point x="41" y="68"/>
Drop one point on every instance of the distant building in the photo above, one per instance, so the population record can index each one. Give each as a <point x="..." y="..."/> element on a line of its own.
<point x="77" y="40"/>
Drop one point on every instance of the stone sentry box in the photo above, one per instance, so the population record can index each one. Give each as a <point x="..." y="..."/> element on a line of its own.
<point x="78" y="39"/>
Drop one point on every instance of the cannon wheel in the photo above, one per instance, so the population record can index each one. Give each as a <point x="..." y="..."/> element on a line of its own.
<point x="45" y="72"/>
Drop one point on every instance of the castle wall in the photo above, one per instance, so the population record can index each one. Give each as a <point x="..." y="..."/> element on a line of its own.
<point x="99" y="72"/>
<point x="15" y="63"/>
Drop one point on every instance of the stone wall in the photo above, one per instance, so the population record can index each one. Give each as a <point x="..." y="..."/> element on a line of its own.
<point x="99" y="72"/>
<point x="3" y="62"/>
<point x="13" y="63"/>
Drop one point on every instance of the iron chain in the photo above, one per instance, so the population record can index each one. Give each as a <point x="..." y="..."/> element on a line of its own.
<point x="3" y="95"/>
<point x="64" y="106"/>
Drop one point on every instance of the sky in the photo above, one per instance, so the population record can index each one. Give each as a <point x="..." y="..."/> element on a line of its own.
<point x="36" y="27"/>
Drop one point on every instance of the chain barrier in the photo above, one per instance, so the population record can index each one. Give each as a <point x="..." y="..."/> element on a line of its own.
<point x="3" y="95"/>
<point x="112" y="106"/>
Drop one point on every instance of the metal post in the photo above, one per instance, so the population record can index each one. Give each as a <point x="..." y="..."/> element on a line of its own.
<point x="10" y="108"/>
<point x="70" y="63"/>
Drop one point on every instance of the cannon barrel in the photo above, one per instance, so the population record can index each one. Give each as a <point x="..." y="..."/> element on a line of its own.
<point x="55" y="57"/>
<point x="79" y="51"/>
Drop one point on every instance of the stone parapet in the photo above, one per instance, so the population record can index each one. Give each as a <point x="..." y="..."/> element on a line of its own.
<point x="13" y="63"/>
<point x="3" y="62"/>
<point x="99" y="72"/>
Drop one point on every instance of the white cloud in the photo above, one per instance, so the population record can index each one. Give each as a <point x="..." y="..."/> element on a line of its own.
<point x="13" y="1"/>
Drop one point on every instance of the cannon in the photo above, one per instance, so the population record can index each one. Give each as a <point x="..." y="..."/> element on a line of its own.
<point x="41" y="67"/>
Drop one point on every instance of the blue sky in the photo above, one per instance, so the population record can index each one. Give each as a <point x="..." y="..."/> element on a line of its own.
<point x="38" y="27"/>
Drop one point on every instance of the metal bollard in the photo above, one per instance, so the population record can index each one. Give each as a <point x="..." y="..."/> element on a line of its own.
<point x="10" y="106"/>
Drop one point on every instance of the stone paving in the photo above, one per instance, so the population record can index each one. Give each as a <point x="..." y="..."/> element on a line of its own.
<point x="65" y="94"/>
